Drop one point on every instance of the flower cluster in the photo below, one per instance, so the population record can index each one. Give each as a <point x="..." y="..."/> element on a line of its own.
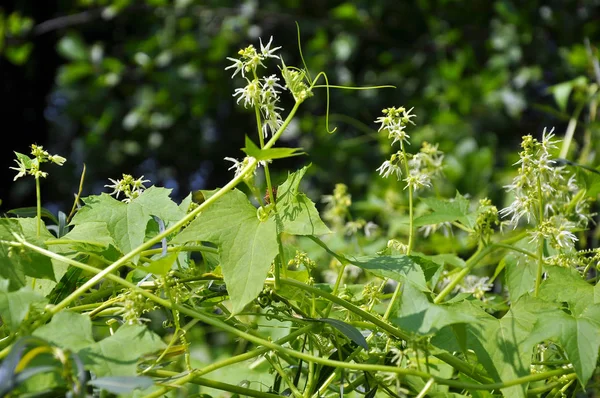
<point x="545" y="193"/>
<point x="487" y="220"/>
<point x="337" y="205"/>
<point x="418" y="169"/>
<point x="129" y="186"/>
<point x="250" y="59"/>
<point x="31" y="166"/>
<point x="260" y="93"/>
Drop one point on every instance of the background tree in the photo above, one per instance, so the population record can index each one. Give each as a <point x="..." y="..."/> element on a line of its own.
<point x="139" y="87"/>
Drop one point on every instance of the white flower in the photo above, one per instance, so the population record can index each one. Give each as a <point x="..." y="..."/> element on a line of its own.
<point x="238" y="65"/>
<point x="249" y="94"/>
<point x="22" y="169"/>
<point x="266" y="51"/>
<point x="388" y="168"/>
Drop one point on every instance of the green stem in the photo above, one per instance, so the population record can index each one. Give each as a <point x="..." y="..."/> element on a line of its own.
<point x="541" y="239"/>
<point x="411" y="230"/>
<point x="453" y="361"/>
<point x="471" y="262"/>
<point x="212" y="384"/>
<point x="38" y="198"/>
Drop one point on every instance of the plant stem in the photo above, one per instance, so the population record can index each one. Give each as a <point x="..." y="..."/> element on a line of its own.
<point x="411" y="231"/>
<point x="541" y="239"/>
<point x="38" y="199"/>
<point x="212" y="384"/>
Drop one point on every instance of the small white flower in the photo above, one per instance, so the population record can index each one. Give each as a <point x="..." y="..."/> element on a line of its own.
<point x="249" y="94"/>
<point x="237" y="165"/>
<point x="238" y="65"/>
<point x="266" y="51"/>
<point x="387" y="168"/>
<point x="21" y="168"/>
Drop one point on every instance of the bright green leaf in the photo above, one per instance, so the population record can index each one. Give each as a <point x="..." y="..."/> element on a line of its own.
<point x="17" y="263"/>
<point x="246" y="245"/>
<point x="272" y="153"/>
<point x="68" y="330"/>
<point x="162" y="265"/>
<point x="446" y="210"/>
<point x="577" y="335"/>
<point x="119" y="354"/>
<point x="295" y="210"/>
<point x="399" y="268"/>
<point x="521" y="272"/>
<point x="93" y="234"/>
<point x="126" y="222"/>
<point x="417" y="314"/>
<point x="15" y="306"/>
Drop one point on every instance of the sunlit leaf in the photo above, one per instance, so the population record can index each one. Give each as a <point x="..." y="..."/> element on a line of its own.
<point x="119" y="354"/>
<point x="246" y="245"/>
<point x="296" y="211"/>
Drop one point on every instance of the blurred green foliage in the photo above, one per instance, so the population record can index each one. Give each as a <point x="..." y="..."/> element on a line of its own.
<point x="141" y="87"/>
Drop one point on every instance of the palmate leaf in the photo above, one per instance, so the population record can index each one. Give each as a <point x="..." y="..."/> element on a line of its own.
<point x="126" y="222"/>
<point x="503" y="346"/>
<point x="247" y="246"/>
<point x="417" y="314"/>
<point x="578" y="331"/>
<point x="116" y="355"/>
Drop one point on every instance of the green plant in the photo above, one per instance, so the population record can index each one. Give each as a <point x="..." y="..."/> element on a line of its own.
<point x="128" y="296"/>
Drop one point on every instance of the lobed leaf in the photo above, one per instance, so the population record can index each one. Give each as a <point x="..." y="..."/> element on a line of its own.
<point x="246" y="245"/>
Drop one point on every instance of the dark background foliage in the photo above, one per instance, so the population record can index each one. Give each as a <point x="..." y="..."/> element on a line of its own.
<point x="139" y="87"/>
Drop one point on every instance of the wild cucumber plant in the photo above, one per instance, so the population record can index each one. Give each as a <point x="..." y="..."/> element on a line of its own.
<point x="256" y="296"/>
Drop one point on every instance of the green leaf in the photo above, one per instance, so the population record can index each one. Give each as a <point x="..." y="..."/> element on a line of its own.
<point x="72" y="48"/>
<point x="68" y="330"/>
<point x="18" y="55"/>
<point x="94" y="234"/>
<point x="31" y="212"/>
<point x="15" y="306"/>
<point x="122" y="384"/>
<point x="566" y="285"/>
<point x="521" y="272"/>
<point x="503" y="346"/>
<point x="11" y="267"/>
<point x="346" y="11"/>
<point x="162" y="265"/>
<point x="347" y="330"/>
<point x="126" y="222"/>
<point x="562" y="91"/>
<point x="399" y="268"/>
<point x="446" y="210"/>
<point x="295" y="210"/>
<point x="246" y="245"/>
<point x="417" y="314"/>
<point x="577" y="334"/>
<point x="17" y="263"/>
<point x="119" y="354"/>
<point x="272" y="153"/>
<point x="156" y="202"/>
